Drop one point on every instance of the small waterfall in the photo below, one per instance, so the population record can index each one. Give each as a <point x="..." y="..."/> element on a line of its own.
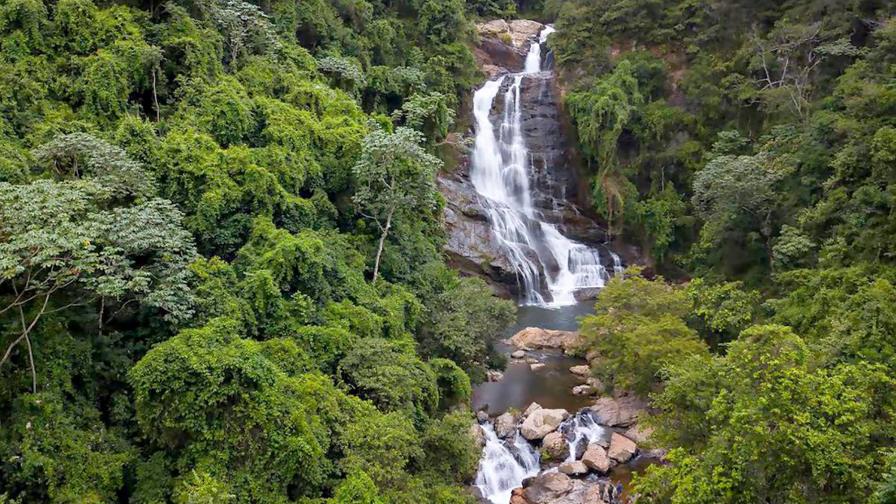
<point x="617" y="264"/>
<point x="533" y="58"/>
<point x="581" y="428"/>
<point x="550" y="267"/>
<point x="504" y="466"/>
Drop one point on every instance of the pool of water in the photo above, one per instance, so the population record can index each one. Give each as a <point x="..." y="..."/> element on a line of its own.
<point x="551" y="386"/>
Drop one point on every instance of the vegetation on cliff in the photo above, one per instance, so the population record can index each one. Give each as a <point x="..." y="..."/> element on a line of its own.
<point x="748" y="147"/>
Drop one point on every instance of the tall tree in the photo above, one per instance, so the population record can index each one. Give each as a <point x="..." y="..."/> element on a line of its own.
<point x="394" y="176"/>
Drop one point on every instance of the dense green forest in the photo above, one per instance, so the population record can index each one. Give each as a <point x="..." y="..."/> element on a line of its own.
<point x="750" y="148"/>
<point x="221" y="276"/>
<point x="221" y="268"/>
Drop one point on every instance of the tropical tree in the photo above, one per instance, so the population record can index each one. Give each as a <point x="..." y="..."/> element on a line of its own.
<point x="394" y="177"/>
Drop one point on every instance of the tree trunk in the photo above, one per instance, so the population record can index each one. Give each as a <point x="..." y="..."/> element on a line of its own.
<point x="379" y="251"/>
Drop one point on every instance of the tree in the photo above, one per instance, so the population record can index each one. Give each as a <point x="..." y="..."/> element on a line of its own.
<point x="394" y="177"/>
<point x="735" y="191"/>
<point x="638" y="327"/>
<point x="774" y="428"/>
<point x="71" y="243"/>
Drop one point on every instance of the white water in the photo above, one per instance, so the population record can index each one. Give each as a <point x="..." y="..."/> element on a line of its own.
<point x="583" y="427"/>
<point x="502" y="468"/>
<point x="549" y="266"/>
<point x="499" y="471"/>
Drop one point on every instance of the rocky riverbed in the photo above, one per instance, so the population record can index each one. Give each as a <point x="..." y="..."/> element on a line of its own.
<point x="553" y="455"/>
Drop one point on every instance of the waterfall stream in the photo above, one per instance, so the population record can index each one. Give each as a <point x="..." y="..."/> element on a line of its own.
<point x="506" y="463"/>
<point x="550" y="267"/>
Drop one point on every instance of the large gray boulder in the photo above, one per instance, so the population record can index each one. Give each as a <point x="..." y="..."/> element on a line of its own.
<point x="596" y="458"/>
<point x="505" y="424"/>
<point x="542" y="422"/>
<point x="621" y="449"/>
<point x="619" y="412"/>
<point x="555" y="446"/>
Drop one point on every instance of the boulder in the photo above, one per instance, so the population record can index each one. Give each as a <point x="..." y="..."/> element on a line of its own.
<point x="534" y="338"/>
<point x="538" y="366"/>
<point x="547" y="487"/>
<point x="505" y="424"/>
<point x="555" y="447"/>
<point x="524" y="30"/>
<point x="531" y="360"/>
<point x="482" y="416"/>
<point x="621" y="412"/>
<point x="531" y="409"/>
<point x="596" y="458"/>
<point x="542" y="422"/>
<point x="622" y="449"/>
<point x="477" y="435"/>
<point x="592" y="355"/>
<point x="518" y="354"/>
<point x="493" y="28"/>
<point x="494" y="376"/>
<point x="583" y="370"/>
<point x="583" y="390"/>
<point x="518" y="496"/>
<point x="559" y="488"/>
<point x="574" y="468"/>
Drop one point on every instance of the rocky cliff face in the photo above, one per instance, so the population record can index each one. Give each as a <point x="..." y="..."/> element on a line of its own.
<point x="559" y="188"/>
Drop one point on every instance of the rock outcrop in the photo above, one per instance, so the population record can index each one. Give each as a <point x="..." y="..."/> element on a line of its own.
<point x="559" y="488"/>
<point x="621" y="449"/>
<point x="559" y="189"/>
<point x="595" y="457"/>
<point x="535" y="338"/>
<point x="619" y="412"/>
<point x="542" y="422"/>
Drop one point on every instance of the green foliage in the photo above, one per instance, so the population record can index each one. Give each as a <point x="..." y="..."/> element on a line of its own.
<point x="637" y="329"/>
<point x="777" y="429"/>
<point x="134" y="369"/>
<point x="391" y="376"/>
<point x="464" y="323"/>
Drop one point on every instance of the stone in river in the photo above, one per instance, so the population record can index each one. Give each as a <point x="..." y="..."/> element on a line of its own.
<point x="582" y="370"/>
<point x="622" y="449"/>
<point x="533" y="338"/>
<point x="519" y="354"/>
<point x="531" y="409"/>
<point x="555" y="446"/>
<point x="575" y="468"/>
<point x="583" y="390"/>
<point x="542" y="422"/>
<point x="596" y="458"/>
<point x="505" y="425"/>
<point x="538" y="366"/>
<point x="618" y="412"/>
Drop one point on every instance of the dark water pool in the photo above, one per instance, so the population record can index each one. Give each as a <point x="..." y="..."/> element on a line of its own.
<point x="551" y="386"/>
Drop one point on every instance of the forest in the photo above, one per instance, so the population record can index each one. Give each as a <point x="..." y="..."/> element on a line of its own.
<point x="222" y="275"/>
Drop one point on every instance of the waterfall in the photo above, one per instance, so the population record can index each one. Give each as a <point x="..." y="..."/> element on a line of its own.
<point x="550" y="267"/>
<point x="582" y="428"/>
<point x="504" y="465"/>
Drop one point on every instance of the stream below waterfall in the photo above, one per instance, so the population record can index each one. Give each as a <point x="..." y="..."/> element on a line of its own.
<point x="553" y="273"/>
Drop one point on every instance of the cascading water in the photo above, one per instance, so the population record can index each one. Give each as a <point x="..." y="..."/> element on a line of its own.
<point x="582" y="428"/>
<point x="550" y="267"/>
<point x="504" y="465"/>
